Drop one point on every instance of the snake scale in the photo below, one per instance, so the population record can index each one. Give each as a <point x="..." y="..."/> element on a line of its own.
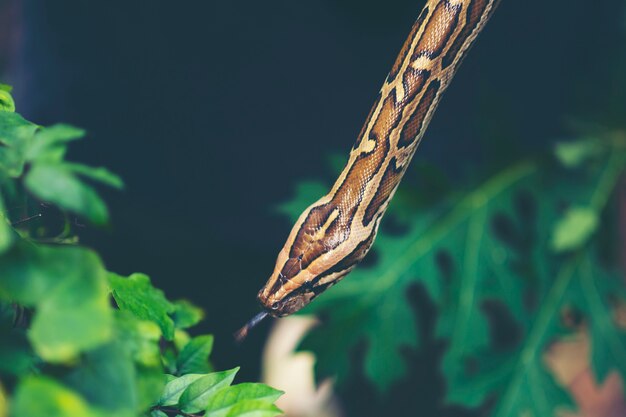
<point x="334" y="234"/>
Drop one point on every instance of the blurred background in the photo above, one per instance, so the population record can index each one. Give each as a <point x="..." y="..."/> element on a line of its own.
<point x="213" y="111"/>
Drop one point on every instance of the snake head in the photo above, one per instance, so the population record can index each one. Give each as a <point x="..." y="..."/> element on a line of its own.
<point x="317" y="255"/>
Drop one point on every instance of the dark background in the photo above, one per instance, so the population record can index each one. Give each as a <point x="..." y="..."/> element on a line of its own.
<point x="212" y="111"/>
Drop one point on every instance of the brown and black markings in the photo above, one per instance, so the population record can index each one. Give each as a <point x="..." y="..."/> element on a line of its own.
<point x="335" y="233"/>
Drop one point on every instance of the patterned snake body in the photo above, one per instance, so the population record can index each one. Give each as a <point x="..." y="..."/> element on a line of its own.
<point x="336" y="232"/>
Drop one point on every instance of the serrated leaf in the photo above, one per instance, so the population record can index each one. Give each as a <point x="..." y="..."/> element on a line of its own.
<point x="186" y="314"/>
<point x="175" y="388"/>
<point x="196" y="397"/>
<point x="485" y="248"/>
<point x="226" y="399"/>
<point x="574" y="229"/>
<point x="372" y="302"/>
<point x="254" y="408"/>
<point x="194" y="358"/>
<point x="137" y="295"/>
<point x="68" y="288"/>
<point x="43" y="397"/>
<point x="56" y="184"/>
<point x="594" y="295"/>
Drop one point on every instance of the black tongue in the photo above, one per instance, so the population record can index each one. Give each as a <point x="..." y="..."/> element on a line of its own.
<point x="242" y="333"/>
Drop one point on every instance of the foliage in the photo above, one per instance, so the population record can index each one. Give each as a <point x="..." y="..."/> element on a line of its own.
<point x="527" y="240"/>
<point x="75" y="339"/>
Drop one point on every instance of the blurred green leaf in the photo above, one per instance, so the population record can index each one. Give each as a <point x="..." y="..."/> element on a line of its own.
<point x="226" y="399"/>
<point x="6" y="101"/>
<point x="194" y="358"/>
<point x="186" y="314"/>
<point x="380" y="314"/>
<point x="44" y="397"/>
<point x="491" y="246"/>
<point x="174" y="388"/>
<point x="67" y="285"/>
<point x="50" y="144"/>
<point x="597" y="294"/>
<point x="58" y="185"/>
<point x="574" y="154"/>
<point x="16" y="355"/>
<point x="574" y="229"/>
<point x="14" y="130"/>
<point x="100" y="174"/>
<point x="254" y="408"/>
<point x="137" y="295"/>
<point x="4" y="407"/>
<point x="7" y="234"/>
<point x="16" y="134"/>
<point x="196" y="397"/>
<point x="106" y="378"/>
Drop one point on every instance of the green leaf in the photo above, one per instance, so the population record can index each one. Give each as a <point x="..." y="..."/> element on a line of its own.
<point x="15" y="130"/>
<point x="574" y="154"/>
<point x="254" y="408"/>
<point x="43" y="397"/>
<point x="174" y="388"/>
<point x="126" y="375"/>
<point x="137" y="295"/>
<point x="226" y="399"/>
<point x="6" y="101"/>
<point x="7" y="235"/>
<point x="595" y="296"/>
<point x="100" y="174"/>
<point x="3" y="402"/>
<point x="106" y="378"/>
<point x="197" y="395"/>
<point x="50" y="143"/>
<point x="56" y="184"/>
<point x="16" y="356"/>
<point x="157" y="413"/>
<point x="67" y="285"/>
<point x="382" y="314"/>
<point x="571" y="232"/>
<point x="186" y="314"/>
<point x="194" y="358"/>
<point x="16" y="134"/>
<point x="491" y="246"/>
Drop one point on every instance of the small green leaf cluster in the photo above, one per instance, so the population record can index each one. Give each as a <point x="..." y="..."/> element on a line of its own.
<point x="533" y="239"/>
<point x="75" y="339"/>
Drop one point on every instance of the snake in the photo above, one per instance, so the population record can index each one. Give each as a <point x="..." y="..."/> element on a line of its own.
<point x="335" y="233"/>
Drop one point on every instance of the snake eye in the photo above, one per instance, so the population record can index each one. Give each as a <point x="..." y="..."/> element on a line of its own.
<point x="275" y="306"/>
